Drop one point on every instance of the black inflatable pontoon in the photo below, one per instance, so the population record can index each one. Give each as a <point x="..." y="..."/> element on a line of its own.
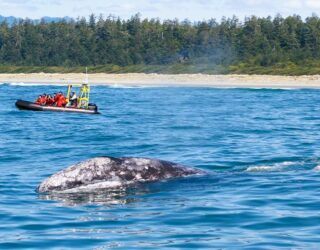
<point x="21" y="104"/>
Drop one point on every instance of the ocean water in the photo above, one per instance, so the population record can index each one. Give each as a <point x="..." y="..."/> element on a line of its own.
<point x="261" y="148"/>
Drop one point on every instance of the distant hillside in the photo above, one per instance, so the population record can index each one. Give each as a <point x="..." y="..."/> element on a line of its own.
<point x="48" y="19"/>
<point x="11" y="19"/>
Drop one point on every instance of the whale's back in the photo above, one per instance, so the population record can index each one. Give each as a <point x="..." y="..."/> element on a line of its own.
<point x="111" y="172"/>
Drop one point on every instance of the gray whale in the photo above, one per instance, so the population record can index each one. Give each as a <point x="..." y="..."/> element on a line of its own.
<point x="110" y="173"/>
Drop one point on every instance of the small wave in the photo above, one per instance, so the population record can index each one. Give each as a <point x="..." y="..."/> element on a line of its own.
<point x="260" y="169"/>
<point x="317" y="168"/>
<point x="271" y="168"/>
<point x="117" y="86"/>
<point x="279" y="88"/>
<point x="96" y="186"/>
<point x="125" y="86"/>
<point x="243" y="87"/>
<point x="273" y="88"/>
<point x="25" y="84"/>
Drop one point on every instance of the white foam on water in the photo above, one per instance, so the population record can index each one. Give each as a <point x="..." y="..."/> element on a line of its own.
<point x="24" y="84"/>
<point x="317" y="168"/>
<point x="260" y="169"/>
<point x="95" y="187"/>
<point x="124" y="86"/>
<point x="271" y="168"/>
<point x="143" y="86"/>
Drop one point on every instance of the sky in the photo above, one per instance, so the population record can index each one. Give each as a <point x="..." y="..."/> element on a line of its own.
<point x="193" y="10"/>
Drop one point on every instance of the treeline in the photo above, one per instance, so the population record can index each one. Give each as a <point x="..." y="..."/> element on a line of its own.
<point x="98" y="41"/>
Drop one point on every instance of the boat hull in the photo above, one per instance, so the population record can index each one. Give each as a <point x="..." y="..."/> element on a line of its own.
<point x="26" y="105"/>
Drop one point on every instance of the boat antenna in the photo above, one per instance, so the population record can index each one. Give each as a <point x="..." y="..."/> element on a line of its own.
<point x="86" y="80"/>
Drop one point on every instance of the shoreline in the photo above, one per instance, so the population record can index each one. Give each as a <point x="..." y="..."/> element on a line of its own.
<point x="155" y="80"/>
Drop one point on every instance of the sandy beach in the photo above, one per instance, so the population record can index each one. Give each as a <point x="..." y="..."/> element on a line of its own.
<point x="196" y="80"/>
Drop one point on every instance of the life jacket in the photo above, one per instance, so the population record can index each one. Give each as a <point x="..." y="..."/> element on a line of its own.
<point x="38" y="101"/>
<point x="49" y="101"/>
<point x="61" y="101"/>
<point x="43" y="100"/>
<point x="56" y="98"/>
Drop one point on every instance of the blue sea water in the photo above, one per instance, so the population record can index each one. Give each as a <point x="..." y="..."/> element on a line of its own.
<point x="260" y="147"/>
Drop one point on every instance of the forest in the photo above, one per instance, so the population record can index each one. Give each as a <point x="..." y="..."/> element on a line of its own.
<point x="270" y="45"/>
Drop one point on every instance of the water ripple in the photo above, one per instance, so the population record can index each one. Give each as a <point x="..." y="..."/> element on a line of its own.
<point x="261" y="149"/>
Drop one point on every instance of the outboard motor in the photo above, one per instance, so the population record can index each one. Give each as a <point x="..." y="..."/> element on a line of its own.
<point x="93" y="106"/>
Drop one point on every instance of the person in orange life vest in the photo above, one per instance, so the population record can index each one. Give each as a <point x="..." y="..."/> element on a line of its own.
<point x="61" y="100"/>
<point x="38" y="101"/>
<point x="55" y="99"/>
<point x="43" y="99"/>
<point x="49" y="100"/>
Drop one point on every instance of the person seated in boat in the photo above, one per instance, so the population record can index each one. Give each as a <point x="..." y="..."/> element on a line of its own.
<point x="73" y="100"/>
<point x="38" y="101"/>
<point x="49" y="100"/>
<point x="55" y="99"/>
<point x="41" y="100"/>
<point x="61" y="100"/>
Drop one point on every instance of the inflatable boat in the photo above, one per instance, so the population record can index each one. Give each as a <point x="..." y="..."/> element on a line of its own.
<point x="72" y="102"/>
<point x="26" y="105"/>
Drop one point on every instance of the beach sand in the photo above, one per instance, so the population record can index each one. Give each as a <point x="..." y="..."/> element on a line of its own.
<point x="197" y="80"/>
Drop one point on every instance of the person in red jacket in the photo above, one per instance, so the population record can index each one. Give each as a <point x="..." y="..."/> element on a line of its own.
<point x="62" y="101"/>
<point x="42" y="100"/>
<point x="49" y="100"/>
<point x="38" y="101"/>
<point x="55" y="99"/>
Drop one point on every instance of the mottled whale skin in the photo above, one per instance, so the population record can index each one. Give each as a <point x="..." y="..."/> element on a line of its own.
<point x="110" y="172"/>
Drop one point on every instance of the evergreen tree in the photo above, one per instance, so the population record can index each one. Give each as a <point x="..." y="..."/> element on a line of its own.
<point x="100" y="41"/>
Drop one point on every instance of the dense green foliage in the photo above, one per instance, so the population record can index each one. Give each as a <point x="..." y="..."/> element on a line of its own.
<point x="262" y="45"/>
